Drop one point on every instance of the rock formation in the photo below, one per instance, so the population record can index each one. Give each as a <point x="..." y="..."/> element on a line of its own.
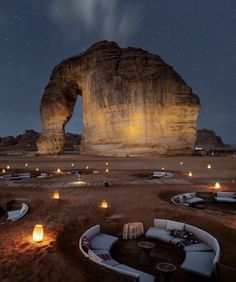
<point x="133" y="104"/>
<point x="208" y="139"/>
<point x="27" y="142"/>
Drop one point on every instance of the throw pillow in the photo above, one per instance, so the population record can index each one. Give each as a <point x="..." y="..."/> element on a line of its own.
<point x="85" y="244"/>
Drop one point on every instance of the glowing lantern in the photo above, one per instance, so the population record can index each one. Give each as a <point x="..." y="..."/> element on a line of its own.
<point x="26" y="164"/>
<point x="72" y="164"/>
<point x="3" y="170"/>
<point x="37" y="169"/>
<point x="209" y="166"/>
<point x="38" y="233"/>
<point x="162" y="168"/>
<point x="104" y="204"/>
<point x="107" y="163"/>
<point x="107" y="170"/>
<point x="217" y="185"/>
<point x="8" y="167"/>
<point x="56" y="195"/>
<point x="58" y="170"/>
<point x="190" y="174"/>
<point x="87" y="167"/>
<point x="181" y="163"/>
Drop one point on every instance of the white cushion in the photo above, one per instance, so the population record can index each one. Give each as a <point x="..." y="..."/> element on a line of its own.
<point x="175" y="225"/>
<point x="199" y="262"/>
<point x="225" y="194"/>
<point x="94" y="256"/>
<point x="143" y="276"/>
<point x="160" y="223"/>
<point x="200" y="247"/>
<point x="103" y="241"/>
<point x="195" y="200"/>
<point x="188" y="196"/>
<point x="91" y="232"/>
<point x="225" y="200"/>
<point x="110" y="262"/>
<point x="160" y="234"/>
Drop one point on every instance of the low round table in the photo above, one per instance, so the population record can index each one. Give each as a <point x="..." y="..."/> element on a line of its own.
<point x="166" y="270"/>
<point x="147" y="247"/>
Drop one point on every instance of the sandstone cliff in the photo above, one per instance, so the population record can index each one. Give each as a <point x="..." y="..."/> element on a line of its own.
<point x="133" y="104"/>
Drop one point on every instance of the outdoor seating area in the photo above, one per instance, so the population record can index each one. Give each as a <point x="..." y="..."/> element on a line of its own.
<point x="161" y="174"/>
<point x="24" y="175"/>
<point x="17" y="214"/>
<point x="226" y="197"/>
<point x="187" y="199"/>
<point x="95" y="246"/>
<point x="202" y="250"/>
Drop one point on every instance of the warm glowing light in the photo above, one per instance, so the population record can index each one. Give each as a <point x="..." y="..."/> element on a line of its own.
<point x="107" y="170"/>
<point x="181" y="163"/>
<point x="37" y="169"/>
<point x="162" y="168"/>
<point x="72" y="164"/>
<point x="87" y="167"/>
<point x="104" y="204"/>
<point x="217" y="185"/>
<point x="107" y="163"/>
<point x="209" y="166"/>
<point x="38" y="233"/>
<point x="190" y="174"/>
<point x="56" y="195"/>
<point x="58" y="170"/>
<point x="8" y="167"/>
<point x="26" y="164"/>
<point x="3" y="170"/>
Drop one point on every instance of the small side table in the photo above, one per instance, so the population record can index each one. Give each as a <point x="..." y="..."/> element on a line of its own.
<point x="166" y="270"/>
<point x="147" y="247"/>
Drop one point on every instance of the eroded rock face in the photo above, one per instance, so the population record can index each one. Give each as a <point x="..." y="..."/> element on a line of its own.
<point x="133" y="104"/>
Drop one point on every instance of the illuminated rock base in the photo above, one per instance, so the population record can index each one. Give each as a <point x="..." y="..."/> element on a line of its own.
<point x="134" y="104"/>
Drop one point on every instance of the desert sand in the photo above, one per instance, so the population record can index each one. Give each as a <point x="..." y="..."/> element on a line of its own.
<point x="58" y="258"/>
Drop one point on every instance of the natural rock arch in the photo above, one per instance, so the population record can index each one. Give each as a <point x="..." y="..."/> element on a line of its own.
<point x="133" y="104"/>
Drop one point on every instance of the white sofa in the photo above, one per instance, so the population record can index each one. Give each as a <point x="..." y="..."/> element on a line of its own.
<point x="187" y="199"/>
<point x="100" y="244"/>
<point x="161" y="174"/>
<point x="200" y="258"/>
<point x="17" y="214"/>
<point x="226" y="197"/>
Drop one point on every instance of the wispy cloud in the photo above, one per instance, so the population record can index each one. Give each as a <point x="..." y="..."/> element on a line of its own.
<point x="108" y="18"/>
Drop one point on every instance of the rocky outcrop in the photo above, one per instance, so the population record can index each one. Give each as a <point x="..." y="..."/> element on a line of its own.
<point x="133" y="104"/>
<point x="208" y="139"/>
<point x="27" y="141"/>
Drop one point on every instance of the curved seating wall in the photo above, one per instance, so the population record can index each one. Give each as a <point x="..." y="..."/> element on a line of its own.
<point x="200" y="258"/>
<point x="100" y="244"/>
<point x="187" y="199"/>
<point x="17" y="214"/>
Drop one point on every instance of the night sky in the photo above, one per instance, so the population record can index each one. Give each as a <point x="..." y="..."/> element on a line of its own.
<point x="196" y="37"/>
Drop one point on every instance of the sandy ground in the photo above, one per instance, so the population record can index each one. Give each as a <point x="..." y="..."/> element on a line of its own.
<point x="58" y="258"/>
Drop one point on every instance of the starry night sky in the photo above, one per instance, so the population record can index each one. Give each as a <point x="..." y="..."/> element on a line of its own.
<point x="196" y="37"/>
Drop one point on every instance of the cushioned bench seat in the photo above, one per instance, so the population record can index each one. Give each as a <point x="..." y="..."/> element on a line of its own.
<point x="160" y="234"/>
<point x="195" y="200"/>
<point x="225" y="200"/>
<point x="201" y="257"/>
<point x="109" y="261"/>
<point x="199" y="262"/>
<point x="102" y="241"/>
<point x="143" y="276"/>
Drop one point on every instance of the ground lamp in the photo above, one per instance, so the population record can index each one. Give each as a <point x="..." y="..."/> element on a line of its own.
<point x="104" y="204"/>
<point x="107" y="163"/>
<point x="56" y="195"/>
<point x="58" y="170"/>
<point x="72" y="164"/>
<point x="209" y="166"/>
<point x="181" y="163"/>
<point x="3" y="170"/>
<point x="87" y="167"/>
<point x="217" y="185"/>
<point x="37" y="169"/>
<point x="26" y="164"/>
<point x="107" y="170"/>
<point x="162" y="168"/>
<point x="190" y="174"/>
<point x="38" y="233"/>
<point x="8" y="167"/>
